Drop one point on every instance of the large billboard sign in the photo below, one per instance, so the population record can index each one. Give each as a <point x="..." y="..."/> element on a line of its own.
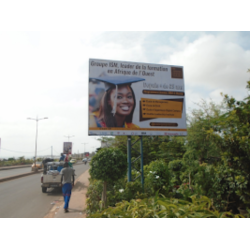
<point x="132" y="98"/>
<point x="67" y="147"/>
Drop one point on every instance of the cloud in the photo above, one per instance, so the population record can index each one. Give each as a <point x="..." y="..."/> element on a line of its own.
<point x="213" y="62"/>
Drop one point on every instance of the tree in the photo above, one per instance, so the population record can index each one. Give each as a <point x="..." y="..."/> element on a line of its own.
<point x="224" y="134"/>
<point x="200" y="131"/>
<point x="172" y="148"/>
<point x="21" y="159"/>
<point x="234" y="129"/>
<point x="108" y="165"/>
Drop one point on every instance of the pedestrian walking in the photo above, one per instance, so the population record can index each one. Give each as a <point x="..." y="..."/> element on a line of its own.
<point x="62" y="157"/>
<point x="61" y="160"/>
<point x="67" y="180"/>
<point x="66" y="158"/>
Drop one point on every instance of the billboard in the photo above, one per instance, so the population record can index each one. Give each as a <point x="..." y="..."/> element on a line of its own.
<point x="67" y="147"/>
<point x="132" y="98"/>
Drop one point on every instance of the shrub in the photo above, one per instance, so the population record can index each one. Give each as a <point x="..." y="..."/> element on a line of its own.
<point x="176" y="169"/>
<point x="94" y="195"/>
<point x="109" y="164"/>
<point x="157" y="178"/>
<point x="156" y="207"/>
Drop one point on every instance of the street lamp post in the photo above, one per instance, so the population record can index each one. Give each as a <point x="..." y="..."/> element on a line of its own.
<point x="37" y="120"/>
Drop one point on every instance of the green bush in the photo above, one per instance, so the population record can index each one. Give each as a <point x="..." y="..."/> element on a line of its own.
<point x="176" y="168"/>
<point x="7" y="163"/>
<point x="157" y="178"/>
<point x="223" y="184"/>
<point x="118" y="191"/>
<point x="156" y="207"/>
<point x="94" y="195"/>
<point x="108" y="164"/>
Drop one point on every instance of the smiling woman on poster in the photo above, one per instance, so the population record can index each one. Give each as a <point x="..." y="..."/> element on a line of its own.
<point x="117" y="104"/>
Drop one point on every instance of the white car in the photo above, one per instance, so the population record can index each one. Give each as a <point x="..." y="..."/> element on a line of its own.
<point x="72" y="161"/>
<point x="84" y="160"/>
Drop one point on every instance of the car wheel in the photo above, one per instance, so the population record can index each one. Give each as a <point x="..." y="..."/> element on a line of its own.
<point x="44" y="189"/>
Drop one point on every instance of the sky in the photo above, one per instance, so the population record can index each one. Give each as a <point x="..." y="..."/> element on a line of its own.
<point x="45" y="73"/>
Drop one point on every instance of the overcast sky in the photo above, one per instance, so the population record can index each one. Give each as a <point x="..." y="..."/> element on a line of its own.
<point x="46" y="73"/>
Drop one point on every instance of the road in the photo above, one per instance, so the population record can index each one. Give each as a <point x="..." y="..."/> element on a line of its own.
<point x="14" y="171"/>
<point x="23" y="197"/>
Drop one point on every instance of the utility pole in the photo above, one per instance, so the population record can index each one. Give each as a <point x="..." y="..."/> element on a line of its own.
<point x="52" y="152"/>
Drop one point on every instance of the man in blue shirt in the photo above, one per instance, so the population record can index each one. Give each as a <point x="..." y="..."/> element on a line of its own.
<point x="59" y="168"/>
<point x="62" y="157"/>
<point x="67" y="180"/>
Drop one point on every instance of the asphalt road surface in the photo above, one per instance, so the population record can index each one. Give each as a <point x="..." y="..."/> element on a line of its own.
<point x="23" y="197"/>
<point x="14" y="171"/>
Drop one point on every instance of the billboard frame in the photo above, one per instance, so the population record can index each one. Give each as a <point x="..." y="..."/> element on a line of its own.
<point x="163" y="98"/>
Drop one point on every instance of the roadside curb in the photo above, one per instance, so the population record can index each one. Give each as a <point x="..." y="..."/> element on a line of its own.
<point x="18" y="176"/>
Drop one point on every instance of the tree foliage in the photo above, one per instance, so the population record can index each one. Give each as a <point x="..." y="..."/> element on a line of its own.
<point x="108" y="164"/>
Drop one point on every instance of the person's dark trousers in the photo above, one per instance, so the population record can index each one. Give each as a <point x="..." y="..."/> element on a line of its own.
<point x="66" y="189"/>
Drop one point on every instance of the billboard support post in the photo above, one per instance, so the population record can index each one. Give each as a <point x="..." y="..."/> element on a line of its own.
<point x="129" y="157"/>
<point x="129" y="147"/>
<point x="142" y="175"/>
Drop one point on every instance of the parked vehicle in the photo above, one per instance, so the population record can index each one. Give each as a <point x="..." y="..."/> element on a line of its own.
<point x="38" y="166"/>
<point x="51" y="177"/>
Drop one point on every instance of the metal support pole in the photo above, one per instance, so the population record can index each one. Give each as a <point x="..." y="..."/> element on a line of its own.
<point x="142" y="175"/>
<point x="36" y="143"/>
<point x="36" y="136"/>
<point x="129" y="158"/>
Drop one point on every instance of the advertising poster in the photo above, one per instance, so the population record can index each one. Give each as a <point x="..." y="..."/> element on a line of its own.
<point x="132" y="98"/>
<point x="67" y="147"/>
